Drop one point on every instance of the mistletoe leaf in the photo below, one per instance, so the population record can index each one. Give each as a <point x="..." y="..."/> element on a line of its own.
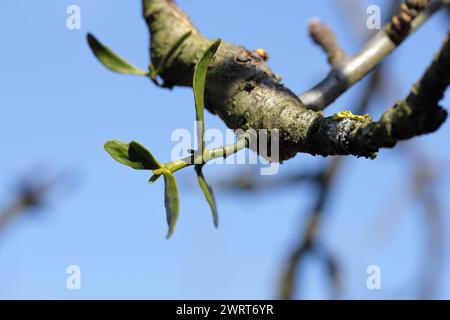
<point x="171" y="202"/>
<point x="208" y="193"/>
<point x="200" y="72"/>
<point x="111" y="60"/>
<point x="147" y="159"/>
<point x="131" y="154"/>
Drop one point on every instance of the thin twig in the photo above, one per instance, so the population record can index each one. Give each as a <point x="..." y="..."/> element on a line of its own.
<point x="376" y="49"/>
<point x="323" y="36"/>
<point x="32" y="194"/>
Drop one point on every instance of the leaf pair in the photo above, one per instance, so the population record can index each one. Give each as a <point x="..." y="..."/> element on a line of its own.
<point x="136" y="156"/>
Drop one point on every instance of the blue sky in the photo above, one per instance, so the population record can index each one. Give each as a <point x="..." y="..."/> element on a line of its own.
<point x="59" y="106"/>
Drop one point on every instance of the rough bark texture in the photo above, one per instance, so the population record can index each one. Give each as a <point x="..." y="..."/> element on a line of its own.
<point x="245" y="93"/>
<point x="418" y="114"/>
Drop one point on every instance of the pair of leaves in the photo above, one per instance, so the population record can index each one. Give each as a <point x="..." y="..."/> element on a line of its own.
<point x="136" y="156"/>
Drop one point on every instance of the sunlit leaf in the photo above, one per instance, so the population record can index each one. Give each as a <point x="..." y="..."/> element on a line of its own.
<point x="199" y="86"/>
<point x="131" y="154"/>
<point x="171" y="202"/>
<point x="209" y="194"/>
<point x="111" y="60"/>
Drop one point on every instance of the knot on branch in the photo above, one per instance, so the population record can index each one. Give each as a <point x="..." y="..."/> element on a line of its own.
<point x="400" y="25"/>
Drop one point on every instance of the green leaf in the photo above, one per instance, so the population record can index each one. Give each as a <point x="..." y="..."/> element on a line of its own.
<point x="163" y="64"/>
<point x="141" y="152"/>
<point x="132" y="154"/>
<point x="111" y="60"/>
<point x="199" y="86"/>
<point x="171" y="202"/>
<point x="209" y="194"/>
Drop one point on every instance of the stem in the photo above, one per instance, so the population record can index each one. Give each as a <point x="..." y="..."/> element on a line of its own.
<point x="208" y="155"/>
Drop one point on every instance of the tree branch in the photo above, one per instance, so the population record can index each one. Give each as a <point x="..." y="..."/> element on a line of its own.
<point x="380" y="46"/>
<point x="323" y="36"/>
<point x="246" y="94"/>
<point x="32" y="194"/>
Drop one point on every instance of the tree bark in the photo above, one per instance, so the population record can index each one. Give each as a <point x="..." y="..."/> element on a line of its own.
<point x="244" y="92"/>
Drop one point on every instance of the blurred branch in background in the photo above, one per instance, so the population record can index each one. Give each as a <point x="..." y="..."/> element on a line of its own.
<point x="426" y="177"/>
<point x="33" y="192"/>
<point x="424" y="182"/>
<point x="308" y="241"/>
<point x="248" y="181"/>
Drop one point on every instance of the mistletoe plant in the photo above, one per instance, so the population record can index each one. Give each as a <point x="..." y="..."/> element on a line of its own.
<point x="136" y="156"/>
